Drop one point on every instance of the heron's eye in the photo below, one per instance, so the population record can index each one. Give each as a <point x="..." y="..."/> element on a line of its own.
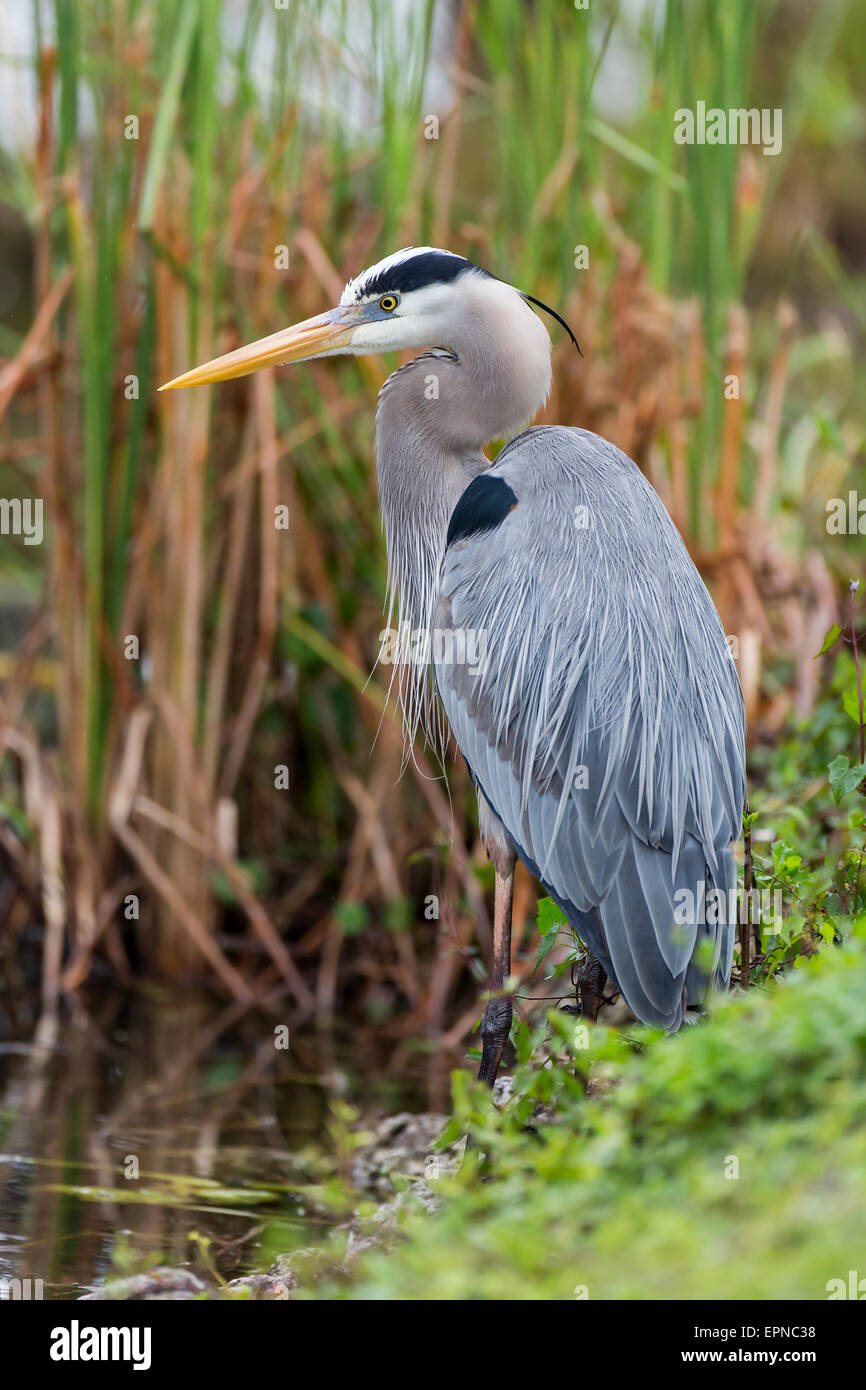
<point x="388" y="302"/>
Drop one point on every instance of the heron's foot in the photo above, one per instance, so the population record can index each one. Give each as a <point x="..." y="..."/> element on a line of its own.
<point x="591" y="980"/>
<point x="495" y="1027"/>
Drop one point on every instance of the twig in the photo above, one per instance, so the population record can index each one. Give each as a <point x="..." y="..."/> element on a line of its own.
<point x="13" y="374"/>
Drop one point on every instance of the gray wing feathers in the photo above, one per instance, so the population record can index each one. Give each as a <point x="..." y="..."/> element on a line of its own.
<point x="605" y="727"/>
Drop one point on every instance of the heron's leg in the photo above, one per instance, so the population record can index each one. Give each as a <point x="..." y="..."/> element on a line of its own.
<point x="591" y="980"/>
<point x="496" y="1023"/>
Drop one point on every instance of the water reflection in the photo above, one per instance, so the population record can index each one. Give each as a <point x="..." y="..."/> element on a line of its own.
<point x="146" y="1130"/>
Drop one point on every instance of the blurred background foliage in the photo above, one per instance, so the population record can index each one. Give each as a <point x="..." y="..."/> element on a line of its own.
<point x="199" y="781"/>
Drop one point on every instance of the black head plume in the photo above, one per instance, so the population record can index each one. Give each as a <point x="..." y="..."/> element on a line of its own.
<point x="553" y="314"/>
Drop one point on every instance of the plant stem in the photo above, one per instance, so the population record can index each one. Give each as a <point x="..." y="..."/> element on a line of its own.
<point x="853" y="586"/>
<point x="746" y="933"/>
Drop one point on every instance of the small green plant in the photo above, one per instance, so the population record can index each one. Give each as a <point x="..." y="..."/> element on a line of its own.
<point x="692" y="1167"/>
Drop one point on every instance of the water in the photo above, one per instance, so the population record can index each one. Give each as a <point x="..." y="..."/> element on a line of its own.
<point x="152" y="1132"/>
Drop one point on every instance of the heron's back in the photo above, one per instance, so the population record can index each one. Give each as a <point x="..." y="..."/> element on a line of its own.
<point x="605" y="727"/>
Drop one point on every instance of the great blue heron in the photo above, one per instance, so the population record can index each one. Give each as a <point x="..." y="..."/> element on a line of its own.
<point x="601" y="717"/>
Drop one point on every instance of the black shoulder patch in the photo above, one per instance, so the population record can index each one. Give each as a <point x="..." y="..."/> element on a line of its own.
<point x="415" y="272"/>
<point x="484" y="505"/>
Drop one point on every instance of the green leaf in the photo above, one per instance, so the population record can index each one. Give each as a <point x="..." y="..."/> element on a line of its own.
<point x="351" y="917"/>
<point x="551" y="920"/>
<point x="548" y="941"/>
<point x="398" y="914"/>
<point x="523" y="1042"/>
<point x="843" y="779"/>
<point x="829" y="638"/>
<point x="851" y="704"/>
<point x="450" y="1134"/>
<point x="549" y="915"/>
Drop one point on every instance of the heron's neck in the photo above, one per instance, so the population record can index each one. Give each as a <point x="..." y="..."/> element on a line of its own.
<point x="433" y="419"/>
<point x="421" y="478"/>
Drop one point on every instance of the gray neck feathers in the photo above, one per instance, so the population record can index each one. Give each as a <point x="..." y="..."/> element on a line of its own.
<point x="433" y="418"/>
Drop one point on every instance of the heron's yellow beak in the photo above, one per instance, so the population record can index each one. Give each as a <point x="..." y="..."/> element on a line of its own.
<point x="316" y="337"/>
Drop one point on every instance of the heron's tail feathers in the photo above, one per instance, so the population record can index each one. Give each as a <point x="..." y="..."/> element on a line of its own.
<point x="665" y="944"/>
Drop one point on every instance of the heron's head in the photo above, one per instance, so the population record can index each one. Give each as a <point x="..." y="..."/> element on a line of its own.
<point x="419" y="297"/>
